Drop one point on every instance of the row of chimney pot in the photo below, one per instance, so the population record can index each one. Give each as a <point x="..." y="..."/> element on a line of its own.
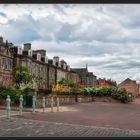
<point x="40" y="55"/>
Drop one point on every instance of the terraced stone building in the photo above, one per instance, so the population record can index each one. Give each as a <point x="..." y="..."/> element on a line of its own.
<point x="6" y="63"/>
<point x="44" y="72"/>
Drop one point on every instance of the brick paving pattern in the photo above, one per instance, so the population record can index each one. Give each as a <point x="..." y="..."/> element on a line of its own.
<point x="25" y="127"/>
<point x="98" y="119"/>
<point x="101" y="114"/>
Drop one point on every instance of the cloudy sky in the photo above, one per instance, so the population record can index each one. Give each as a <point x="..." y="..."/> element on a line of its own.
<point x="106" y="37"/>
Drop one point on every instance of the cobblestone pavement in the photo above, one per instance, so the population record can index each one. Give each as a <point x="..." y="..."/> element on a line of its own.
<point x="101" y="114"/>
<point x="85" y="119"/>
<point x="13" y="113"/>
<point x="26" y="128"/>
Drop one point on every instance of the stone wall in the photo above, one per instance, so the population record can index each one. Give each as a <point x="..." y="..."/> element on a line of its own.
<point x="84" y="99"/>
<point x="66" y="99"/>
<point x="104" y="99"/>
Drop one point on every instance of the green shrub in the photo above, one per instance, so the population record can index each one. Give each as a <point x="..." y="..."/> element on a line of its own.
<point x="13" y="93"/>
<point x="113" y="92"/>
<point x="65" y="82"/>
<point x="89" y="91"/>
<point x="121" y="95"/>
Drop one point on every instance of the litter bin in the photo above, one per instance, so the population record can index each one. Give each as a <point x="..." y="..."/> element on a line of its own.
<point x="29" y="101"/>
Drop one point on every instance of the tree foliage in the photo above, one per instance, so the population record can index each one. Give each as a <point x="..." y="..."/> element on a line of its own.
<point x="65" y="82"/>
<point x="21" y="76"/>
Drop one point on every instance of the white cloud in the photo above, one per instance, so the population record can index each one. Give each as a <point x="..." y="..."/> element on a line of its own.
<point x="106" y="37"/>
<point x="3" y="20"/>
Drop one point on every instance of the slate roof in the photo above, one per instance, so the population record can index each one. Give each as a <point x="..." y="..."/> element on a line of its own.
<point x="80" y="70"/>
<point x="128" y="79"/>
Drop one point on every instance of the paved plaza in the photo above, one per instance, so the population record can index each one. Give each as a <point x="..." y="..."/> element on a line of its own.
<point x="26" y="127"/>
<point x="83" y="119"/>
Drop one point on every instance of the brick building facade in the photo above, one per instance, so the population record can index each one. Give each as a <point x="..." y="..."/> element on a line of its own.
<point x="105" y="83"/>
<point x="131" y="86"/>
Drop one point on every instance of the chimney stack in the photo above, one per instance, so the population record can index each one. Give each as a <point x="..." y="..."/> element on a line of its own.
<point x="63" y="64"/>
<point x="42" y="52"/>
<point x="56" y="58"/>
<point x="27" y="46"/>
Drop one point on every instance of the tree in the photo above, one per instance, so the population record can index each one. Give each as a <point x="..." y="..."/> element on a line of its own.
<point x="21" y="76"/>
<point x="65" y="82"/>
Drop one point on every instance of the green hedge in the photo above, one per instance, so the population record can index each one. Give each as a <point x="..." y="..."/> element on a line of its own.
<point x="113" y="92"/>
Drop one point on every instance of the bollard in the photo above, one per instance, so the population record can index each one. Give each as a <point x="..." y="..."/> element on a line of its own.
<point x="8" y="108"/>
<point x="52" y="104"/>
<point x="20" y="104"/>
<point x="43" y="104"/>
<point x="33" y="104"/>
<point x="57" y="103"/>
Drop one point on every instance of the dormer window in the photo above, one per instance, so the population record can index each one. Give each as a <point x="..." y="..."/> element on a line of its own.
<point x="38" y="56"/>
<point x="46" y="59"/>
<point x="19" y="50"/>
<point x="30" y="53"/>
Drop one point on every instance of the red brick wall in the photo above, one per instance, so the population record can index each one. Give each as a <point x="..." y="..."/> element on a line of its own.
<point x="130" y="87"/>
